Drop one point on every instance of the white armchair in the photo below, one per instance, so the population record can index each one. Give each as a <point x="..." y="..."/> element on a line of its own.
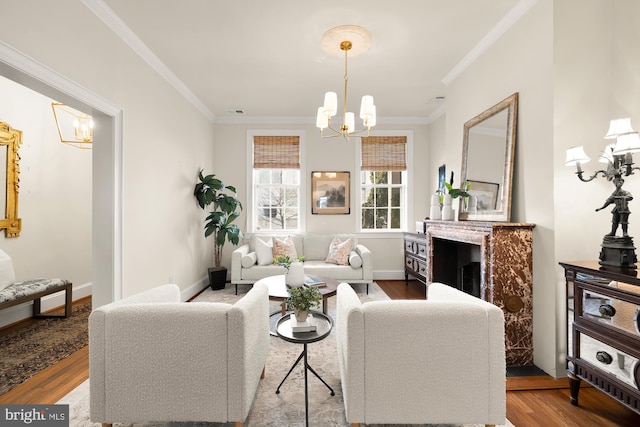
<point x="154" y="358"/>
<point x="440" y="361"/>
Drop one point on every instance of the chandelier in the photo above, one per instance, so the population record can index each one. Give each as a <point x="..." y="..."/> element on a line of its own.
<point x="74" y="127"/>
<point x="357" y="40"/>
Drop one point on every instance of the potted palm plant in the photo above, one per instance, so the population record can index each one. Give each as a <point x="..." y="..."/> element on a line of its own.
<point x="303" y="299"/>
<point x="226" y="209"/>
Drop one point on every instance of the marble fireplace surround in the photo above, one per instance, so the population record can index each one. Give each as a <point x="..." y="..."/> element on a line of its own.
<point x="504" y="251"/>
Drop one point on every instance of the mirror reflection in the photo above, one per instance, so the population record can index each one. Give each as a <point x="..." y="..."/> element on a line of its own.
<point x="487" y="162"/>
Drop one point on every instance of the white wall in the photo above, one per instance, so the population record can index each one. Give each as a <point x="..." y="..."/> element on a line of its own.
<point x="54" y="200"/>
<point x="334" y="154"/>
<point x="520" y="62"/>
<point x="596" y="79"/>
<point x="165" y="139"/>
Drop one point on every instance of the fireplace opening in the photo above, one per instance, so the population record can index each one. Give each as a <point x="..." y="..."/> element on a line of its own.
<point x="457" y="264"/>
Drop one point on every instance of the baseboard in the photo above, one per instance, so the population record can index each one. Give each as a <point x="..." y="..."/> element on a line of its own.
<point x="24" y="311"/>
<point x="194" y="289"/>
<point x="388" y="275"/>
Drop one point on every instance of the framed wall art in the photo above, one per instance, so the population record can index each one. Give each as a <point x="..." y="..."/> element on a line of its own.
<point x="486" y="193"/>
<point x="330" y="193"/>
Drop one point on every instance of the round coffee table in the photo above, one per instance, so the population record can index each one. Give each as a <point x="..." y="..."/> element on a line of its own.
<point x="278" y="290"/>
<point x="283" y="328"/>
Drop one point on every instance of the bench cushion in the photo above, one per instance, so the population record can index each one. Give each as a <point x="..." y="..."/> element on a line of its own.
<point x="29" y="287"/>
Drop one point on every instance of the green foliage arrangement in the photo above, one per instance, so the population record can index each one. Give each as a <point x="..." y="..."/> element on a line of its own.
<point x="456" y="192"/>
<point x="304" y="298"/>
<point x="285" y="260"/>
<point x="226" y="209"/>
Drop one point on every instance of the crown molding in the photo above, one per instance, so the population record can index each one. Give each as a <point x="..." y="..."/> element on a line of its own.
<point x="278" y="120"/>
<point x="518" y="11"/>
<point x="117" y="25"/>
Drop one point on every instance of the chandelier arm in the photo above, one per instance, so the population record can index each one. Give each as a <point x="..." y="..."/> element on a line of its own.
<point x="592" y="177"/>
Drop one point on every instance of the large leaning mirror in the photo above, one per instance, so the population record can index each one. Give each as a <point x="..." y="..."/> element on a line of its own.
<point x="10" y="140"/>
<point x="487" y="162"/>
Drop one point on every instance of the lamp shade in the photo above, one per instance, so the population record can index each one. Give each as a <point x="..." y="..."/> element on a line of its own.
<point x="350" y="122"/>
<point x="330" y="103"/>
<point x="576" y="155"/>
<point x="627" y="143"/>
<point x="366" y="107"/>
<point x="322" y="120"/>
<point x="607" y="154"/>
<point x="618" y="127"/>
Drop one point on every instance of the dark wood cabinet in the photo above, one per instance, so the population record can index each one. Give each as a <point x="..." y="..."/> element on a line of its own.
<point x="603" y="315"/>
<point x="415" y="256"/>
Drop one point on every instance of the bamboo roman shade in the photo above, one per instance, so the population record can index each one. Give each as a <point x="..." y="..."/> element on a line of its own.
<point x="276" y="152"/>
<point x="384" y="153"/>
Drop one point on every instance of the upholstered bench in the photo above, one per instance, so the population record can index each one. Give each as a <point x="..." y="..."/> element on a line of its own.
<point x="34" y="290"/>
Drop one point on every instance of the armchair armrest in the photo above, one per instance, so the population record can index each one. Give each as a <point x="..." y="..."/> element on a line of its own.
<point x="236" y="262"/>
<point x="367" y="263"/>
<point x="248" y="349"/>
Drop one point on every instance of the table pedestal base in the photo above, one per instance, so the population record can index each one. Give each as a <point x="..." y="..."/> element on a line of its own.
<point x="306" y="387"/>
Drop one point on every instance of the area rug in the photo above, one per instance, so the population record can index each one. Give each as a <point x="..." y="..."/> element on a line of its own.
<point x="269" y="408"/>
<point x="28" y="350"/>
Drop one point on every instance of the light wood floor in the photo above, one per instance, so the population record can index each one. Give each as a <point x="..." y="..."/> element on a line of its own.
<point x="531" y="401"/>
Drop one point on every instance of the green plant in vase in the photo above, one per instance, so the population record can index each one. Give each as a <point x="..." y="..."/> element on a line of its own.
<point x="303" y="299"/>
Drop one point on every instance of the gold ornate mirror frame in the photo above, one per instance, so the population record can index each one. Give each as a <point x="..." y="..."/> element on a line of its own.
<point x="11" y="138"/>
<point x="489" y="172"/>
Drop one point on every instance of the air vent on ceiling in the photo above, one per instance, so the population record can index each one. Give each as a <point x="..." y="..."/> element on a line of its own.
<point x="436" y="100"/>
<point x="235" y="111"/>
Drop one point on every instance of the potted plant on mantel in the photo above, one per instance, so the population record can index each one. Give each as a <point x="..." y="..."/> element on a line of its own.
<point x="303" y="299"/>
<point x="226" y="209"/>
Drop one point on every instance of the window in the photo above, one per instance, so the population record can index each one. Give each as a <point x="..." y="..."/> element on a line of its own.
<point x="275" y="187"/>
<point x="383" y="183"/>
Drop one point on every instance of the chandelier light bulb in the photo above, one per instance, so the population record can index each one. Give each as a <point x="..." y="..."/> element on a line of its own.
<point x="322" y="119"/>
<point x="349" y="122"/>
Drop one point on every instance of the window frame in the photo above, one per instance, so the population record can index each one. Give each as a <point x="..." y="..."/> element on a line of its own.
<point x="406" y="209"/>
<point x="251" y="208"/>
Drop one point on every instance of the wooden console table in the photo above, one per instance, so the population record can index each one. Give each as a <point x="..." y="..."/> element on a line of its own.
<point x="491" y="260"/>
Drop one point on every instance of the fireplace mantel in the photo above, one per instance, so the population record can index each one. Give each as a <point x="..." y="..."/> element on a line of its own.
<point x="504" y="254"/>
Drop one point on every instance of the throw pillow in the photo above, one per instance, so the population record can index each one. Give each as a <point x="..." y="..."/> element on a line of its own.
<point x="283" y="248"/>
<point x="339" y="251"/>
<point x="264" y="250"/>
<point x="355" y="260"/>
<point x="249" y="259"/>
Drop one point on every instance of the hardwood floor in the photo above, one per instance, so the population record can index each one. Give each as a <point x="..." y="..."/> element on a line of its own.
<point x="531" y="401"/>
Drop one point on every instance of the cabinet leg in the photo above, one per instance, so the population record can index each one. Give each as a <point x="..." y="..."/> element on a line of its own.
<point x="574" y="388"/>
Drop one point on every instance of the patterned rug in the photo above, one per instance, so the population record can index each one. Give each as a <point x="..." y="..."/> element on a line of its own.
<point x="26" y="351"/>
<point x="269" y="408"/>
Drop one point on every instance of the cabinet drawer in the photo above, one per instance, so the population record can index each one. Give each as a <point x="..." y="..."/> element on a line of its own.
<point x="613" y="312"/>
<point x="624" y="367"/>
<point x="416" y="248"/>
<point x="416" y="265"/>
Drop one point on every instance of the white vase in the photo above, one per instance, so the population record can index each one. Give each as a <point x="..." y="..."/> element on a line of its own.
<point x="435" y="207"/>
<point x="447" y="209"/>
<point x="295" y="275"/>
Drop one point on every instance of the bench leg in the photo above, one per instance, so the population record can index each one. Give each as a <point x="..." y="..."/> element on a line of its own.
<point x="68" y="304"/>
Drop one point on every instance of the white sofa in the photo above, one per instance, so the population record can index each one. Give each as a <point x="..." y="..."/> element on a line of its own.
<point x="153" y="358"/>
<point x="245" y="268"/>
<point x="439" y="361"/>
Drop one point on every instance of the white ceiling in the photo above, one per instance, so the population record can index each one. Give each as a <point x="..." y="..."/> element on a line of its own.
<point x="265" y="58"/>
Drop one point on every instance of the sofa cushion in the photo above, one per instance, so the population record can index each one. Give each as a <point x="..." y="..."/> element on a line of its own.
<point x="339" y="251"/>
<point x="355" y="260"/>
<point x="339" y="272"/>
<point x="249" y="259"/>
<point x="264" y="250"/>
<point x="284" y="247"/>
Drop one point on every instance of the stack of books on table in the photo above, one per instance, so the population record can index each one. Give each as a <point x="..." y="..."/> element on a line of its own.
<point x="306" y="326"/>
<point x="314" y="281"/>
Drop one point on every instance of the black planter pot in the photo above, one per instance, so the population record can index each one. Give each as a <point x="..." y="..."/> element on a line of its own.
<point x="217" y="278"/>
